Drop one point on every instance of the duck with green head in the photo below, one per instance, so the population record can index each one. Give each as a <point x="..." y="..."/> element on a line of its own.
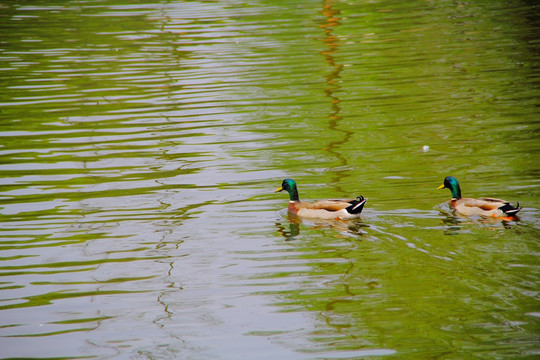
<point x="484" y="206"/>
<point x="323" y="209"/>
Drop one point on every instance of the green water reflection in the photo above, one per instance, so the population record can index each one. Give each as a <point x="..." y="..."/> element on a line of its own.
<point x="140" y="143"/>
<point x="416" y="296"/>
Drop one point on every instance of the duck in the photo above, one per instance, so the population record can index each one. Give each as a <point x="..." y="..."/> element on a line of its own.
<point x="484" y="206"/>
<point x="322" y="209"/>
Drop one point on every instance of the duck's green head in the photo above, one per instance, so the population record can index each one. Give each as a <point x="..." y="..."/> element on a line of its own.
<point x="451" y="183"/>
<point x="289" y="185"/>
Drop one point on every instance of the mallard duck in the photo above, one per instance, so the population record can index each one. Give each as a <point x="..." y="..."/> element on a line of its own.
<point x="323" y="209"/>
<point x="483" y="206"/>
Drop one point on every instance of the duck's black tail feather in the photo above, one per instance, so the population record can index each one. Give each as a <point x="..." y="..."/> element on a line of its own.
<point x="357" y="205"/>
<point x="508" y="209"/>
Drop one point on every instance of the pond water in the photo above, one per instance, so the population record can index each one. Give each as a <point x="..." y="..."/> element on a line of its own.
<point x="141" y="143"/>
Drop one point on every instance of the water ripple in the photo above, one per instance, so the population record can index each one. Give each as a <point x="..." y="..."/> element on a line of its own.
<point x="140" y="145"/>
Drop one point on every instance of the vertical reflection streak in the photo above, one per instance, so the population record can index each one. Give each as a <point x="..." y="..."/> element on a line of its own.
<point x="333" y="87"/>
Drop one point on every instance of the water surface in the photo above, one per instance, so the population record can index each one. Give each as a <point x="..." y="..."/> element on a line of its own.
<point x="141" y="144"/>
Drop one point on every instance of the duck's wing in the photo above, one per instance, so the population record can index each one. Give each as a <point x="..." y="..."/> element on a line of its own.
<point x="485" y="203"/>
<point x="493" y="200"/>
<point x="330" y="205"/>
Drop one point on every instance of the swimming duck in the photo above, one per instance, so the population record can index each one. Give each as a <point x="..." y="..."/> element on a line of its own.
<point x="483" y="206"/>
<point x="323" y="209"/>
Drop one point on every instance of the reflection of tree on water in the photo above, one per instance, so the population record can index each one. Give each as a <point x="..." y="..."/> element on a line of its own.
<point x="332" y="81"/>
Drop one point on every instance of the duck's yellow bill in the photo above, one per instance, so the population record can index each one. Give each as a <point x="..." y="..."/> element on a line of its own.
<point x="440" y="187"/>
<point x="279" y="189"/>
